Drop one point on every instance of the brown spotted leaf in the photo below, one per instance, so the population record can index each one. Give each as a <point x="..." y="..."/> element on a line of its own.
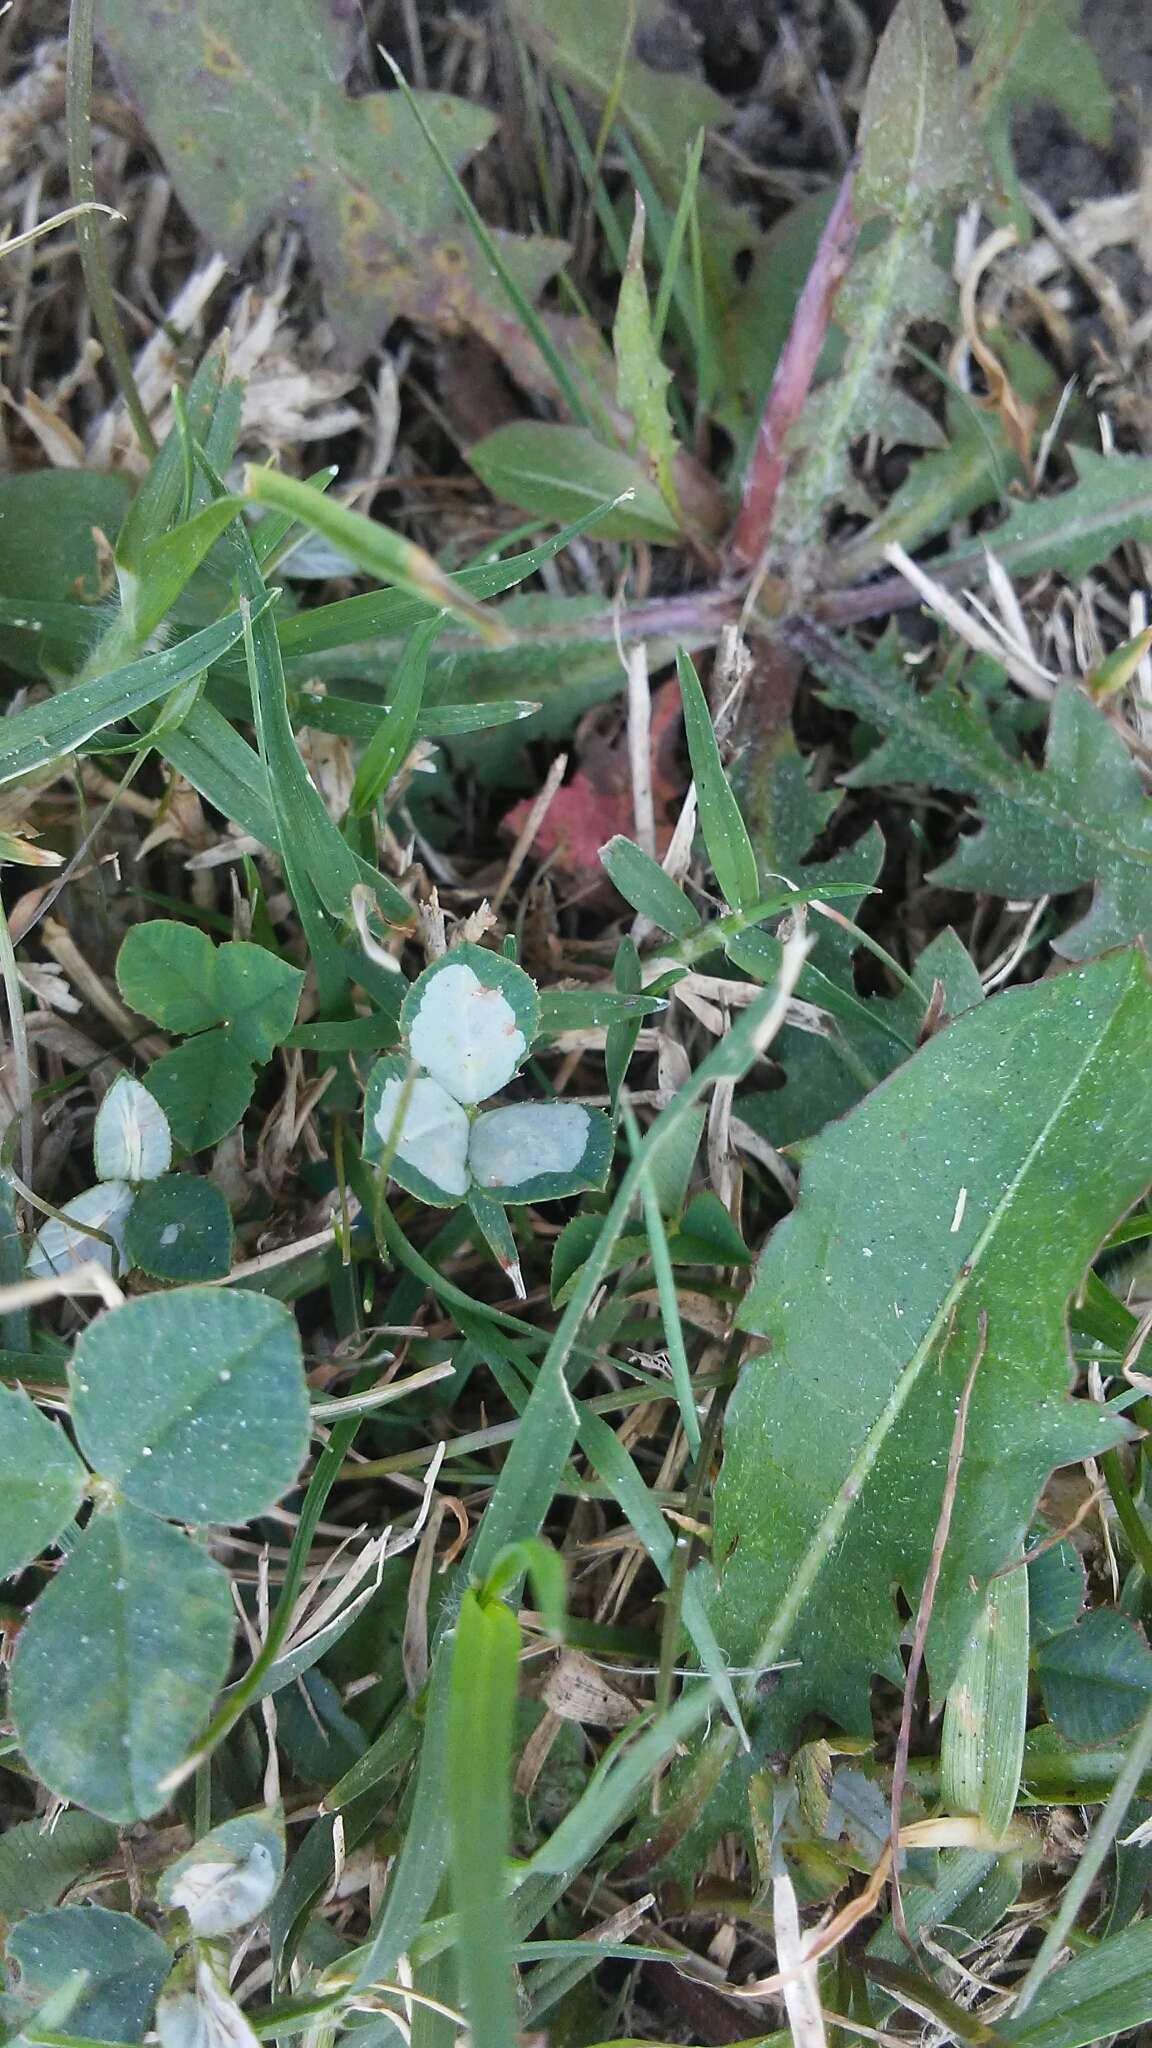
<point x="254" y="124"/>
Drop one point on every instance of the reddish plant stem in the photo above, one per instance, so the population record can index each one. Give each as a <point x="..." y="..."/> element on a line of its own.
<point x="793" y="379"/>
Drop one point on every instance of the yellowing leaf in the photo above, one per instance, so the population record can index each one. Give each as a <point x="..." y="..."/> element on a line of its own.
<point x="253" y="122"/>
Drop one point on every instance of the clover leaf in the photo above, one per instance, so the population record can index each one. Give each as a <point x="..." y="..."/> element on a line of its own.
<point x="469" y="1023"/>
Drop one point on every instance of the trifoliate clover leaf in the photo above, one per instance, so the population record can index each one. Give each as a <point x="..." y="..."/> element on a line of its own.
<point x="470" y="1022"/>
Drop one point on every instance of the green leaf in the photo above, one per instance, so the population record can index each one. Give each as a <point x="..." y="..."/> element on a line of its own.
<point x="373" y="547"/>
<point x="1081" y="818"/>
<point x="915" y="142"/>
<point x="1110" y="503"/>
<point x="252" y="126"/>
<point x="167" y="971"/>
<point x="918" y="157"/>
<point x="258" y="996"/>
<point x="593" y="1009"/>
<point x="540" y="1151"/>
<point x="560" y="472"/>
<point x="1056" y="1589"/>
<point x="1096" y="1678"/>
<point x="1030" y="52"/>
<point x="1033" y="52"/>
<point x="194" y="1404"/>
<point x="179" y="1228"/>
<point x="228" y="1877"/>
<point x="392" y="740"/>
<point x="42" y="1481"/>
<point x="131" y="1139"/>
<point x="414" y="1128"/>
<point x="203" y="1087"/>
<point x="125" y="1964"/>
<point x="925" y="1208"/>
<point x="643" y="883"/>
<point x="31" y="739"/>
<point x="974" y="470"/>
<point x="49" y="560"/>
<point x="725" y="835"/>
<point x="38" y="1863"/>
<point x="480" y="1722"/>
<point x="491" y="1219"/>
<point x="621" y="1039"/>
<point x="642" y="377"/>
<point x="470" y="1020"/>
<point x="982" y="1749"/>
<point x="166" y="564"/>
<point x="1093" y="1998"/>
<point x="119" y="1661"/>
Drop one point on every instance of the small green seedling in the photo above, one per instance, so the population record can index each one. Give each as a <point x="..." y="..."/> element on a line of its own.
<point x="172" y="1226"/>
<point x="469" y="1023"/>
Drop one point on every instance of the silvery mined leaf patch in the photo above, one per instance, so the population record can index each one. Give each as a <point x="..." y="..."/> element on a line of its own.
<point x="229" y="1876"/>
<point x="415" y="1126"/>
<point x="60" y="1246"/>
<point x="539" y="1151"/>
<point x="470" y="1020"/>
<point x="131" y="1139"/>
<point x="202" y="2015"/>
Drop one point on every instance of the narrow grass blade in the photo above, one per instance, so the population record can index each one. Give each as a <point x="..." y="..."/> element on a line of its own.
<point x="388" y="614"/>
<point x="725" y="834"/>
<point x="521" y="305"/>
<point x="543" y="1443"/>
<point x="416" y="1873"/>
<point x="1079" y="1886"/>
<point x="670" y="273"/>
<point x="375" y="548"/>
<point x="275" y="536"/>
<point x="643" y="883"/>
<point x="167" y="564"/>
<point x="33" y="738"/>
<point x="480" y="1721"/>
<point x="389" y="747"/>
<point x="666" y="1290"/>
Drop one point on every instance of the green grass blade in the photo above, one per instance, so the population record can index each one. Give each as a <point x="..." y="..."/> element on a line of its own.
<point x="543" y="1443"/>
<point x="392" y="740"/>
<point x="643" y="883"/>
<point x="666" y="1290"/>
<point x="521" y="305"/>
<point x="33" y="738"/>
<point x="674" y="248"/>
<point x="416" y="1874"/>
<point x="276" y="535"/>
<point x="1107" y="1827"/>
<point x="480" y="1724"/>
<point x="725" y="834"/>
<point x="388" y="614"/>
<point x="373" y="547"/>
